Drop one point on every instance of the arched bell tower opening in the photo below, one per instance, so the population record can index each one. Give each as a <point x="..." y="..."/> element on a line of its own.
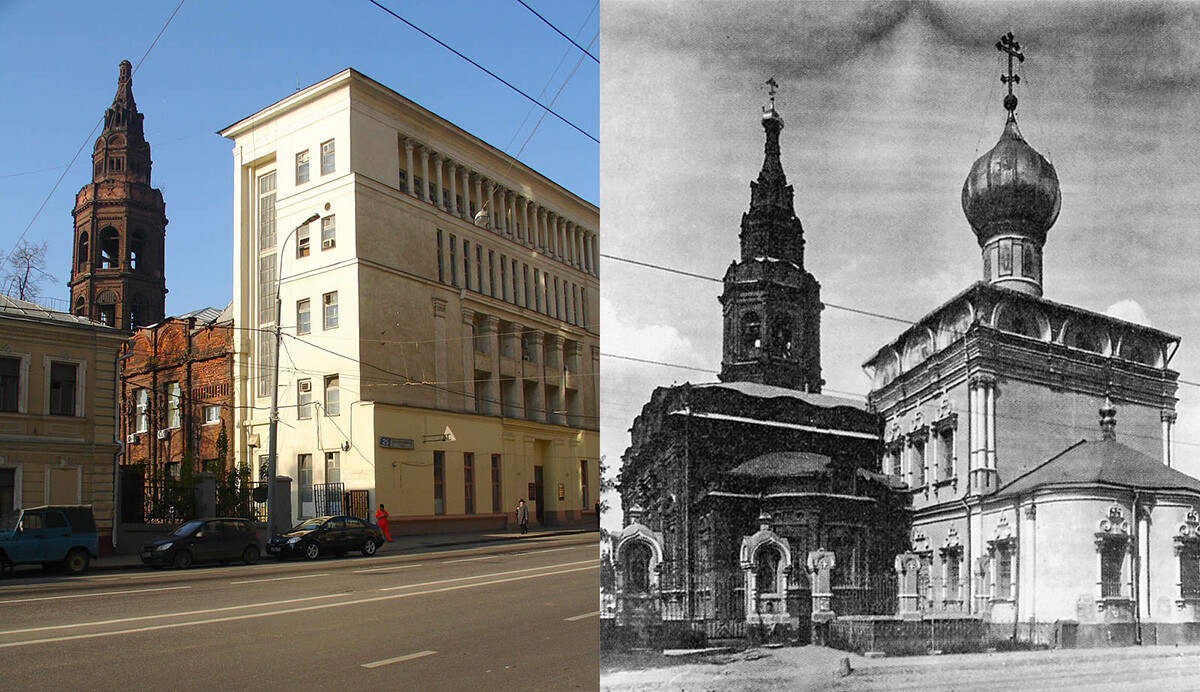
<point x="120" y="224"/>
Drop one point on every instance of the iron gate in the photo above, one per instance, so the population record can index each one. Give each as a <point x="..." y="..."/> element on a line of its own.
<point x="328" y="499"/>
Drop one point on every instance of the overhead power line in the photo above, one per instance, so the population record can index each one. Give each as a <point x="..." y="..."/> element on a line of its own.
<point x="495" y="76"/>
<point x="560" y="33"/>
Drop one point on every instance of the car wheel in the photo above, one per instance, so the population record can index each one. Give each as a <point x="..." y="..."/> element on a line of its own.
<point x="76" y="562"/>
<point x="250" y="555"/>
<point x="183" y="559"/>
<point x="311" y="551"/>
<point x="369" y="547"/>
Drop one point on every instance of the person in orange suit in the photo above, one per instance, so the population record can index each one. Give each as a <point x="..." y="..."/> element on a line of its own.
<point x="381" y="518"/>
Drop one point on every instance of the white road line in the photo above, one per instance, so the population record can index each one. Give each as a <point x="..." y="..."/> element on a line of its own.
<point x="398" y="659"/>
<point x="168" y="615"/>
<point x="288" y="611"/>
<point x="485" y="576"/>
<point x="299" y="576"/>
<point x="585" y="616"/>
<point x="554" y="550"/>
<point x="89" y="595"/>
<point x="383" y="569"/>
<point x="471" y="559"/>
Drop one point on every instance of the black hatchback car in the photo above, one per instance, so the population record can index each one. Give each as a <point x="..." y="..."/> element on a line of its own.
<point x="205" y="540"/>
<point x="312" y="538"/>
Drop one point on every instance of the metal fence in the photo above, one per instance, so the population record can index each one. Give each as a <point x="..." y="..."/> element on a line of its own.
<point x="167" y="502"/>
<point x="328" y="498"/>
<point x="876" y="595"/>
<point x="243" y="501"/>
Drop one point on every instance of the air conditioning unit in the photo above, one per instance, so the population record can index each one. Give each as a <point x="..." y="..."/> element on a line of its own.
<point x="327" y="243"/>
<point x="131" y="439"/>
<point x="162" y="434"/>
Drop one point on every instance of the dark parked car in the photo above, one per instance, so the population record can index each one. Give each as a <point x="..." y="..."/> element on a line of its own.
<point x="51" y="535"/>
<point x="326" y="536"/>
<point x="205" y="540"/>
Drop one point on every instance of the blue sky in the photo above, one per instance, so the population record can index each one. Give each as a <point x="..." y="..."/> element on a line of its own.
<point x="886" y="105"/>
<point x="220" y="61"/>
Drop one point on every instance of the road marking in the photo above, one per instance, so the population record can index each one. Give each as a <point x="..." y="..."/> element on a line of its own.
<point x="398" y="659"/>
<point x="383" y="569"/>
<point x="288" y="611"/>
<point x="585" y="616"/>
<point x="471" y="559"/>
<point x="299" y="576"/>
<point x="552" y="550"/>
<point x="484" y="576"/>
<point x="167" y="615"/>
<point x="89" y="595"/>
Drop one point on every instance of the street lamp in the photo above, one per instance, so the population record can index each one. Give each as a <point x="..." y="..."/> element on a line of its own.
<point x="273" y="425"/>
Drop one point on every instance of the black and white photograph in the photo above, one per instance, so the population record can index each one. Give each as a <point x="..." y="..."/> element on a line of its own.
<point x="901" y="365"/>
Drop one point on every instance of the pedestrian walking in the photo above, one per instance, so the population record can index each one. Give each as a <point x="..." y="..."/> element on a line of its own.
<point x="381" y="518"/>
<point x="523" y="517"/>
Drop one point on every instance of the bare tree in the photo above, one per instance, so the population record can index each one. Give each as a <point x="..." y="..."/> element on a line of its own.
<point x="25" y="270"/>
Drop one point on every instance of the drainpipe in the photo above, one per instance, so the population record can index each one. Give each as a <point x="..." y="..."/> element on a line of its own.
<point x="1016" y="570"/>
<point x="1136" y="561"/>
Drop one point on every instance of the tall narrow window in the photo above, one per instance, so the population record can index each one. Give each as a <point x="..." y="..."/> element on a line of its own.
<point x="62" y="389"/>
<point x="302" y="242"/>
<point x="82" y="257"/>
<point x="918" y="463"/>
<point x="946" y="452"/>
<point x="10" y="384"/>
<point x="303" y="316"/>
<point x="173" y="400"/>
<point x="439" y="479"/>
<point x="496" y="483"/>
<point x="492" y="273"/>
<point x="327" y="157"/>
<point x="575" y="305"/>
<point x="304" y="399"/>
<point x="478" y="268"/>
<point x="302" y="167"/>
<point x="403" y="180"/>
<point x="266" y="280"/>
<point x="266" y="211"/>
<point x="441" y="264"/>
<point x="137" y="250"/>
<point x="467" y="264"/>
<point x="328" y="231"/>
<point x="537" y="295"/>
<point x="304" y="464"/>
<point x="453" y="261"/>
<point x="110" y="248"/>
<point x="583" y="482"/>
<point x="333" y="396"/>
<point x="515" y="294"/>
<point x="583" y="306"/>
<point x="330" y="310"/>
<point x="556" y="298"/>
<point x="333" y="467"/>
<point x="1112" y="559"/>
<point x="469" y="482"/>
<point x="503" y="278"/>
<point x="1004" y="572"/>
<point x="525" y="282"/>
<point x="1189" y="567"/>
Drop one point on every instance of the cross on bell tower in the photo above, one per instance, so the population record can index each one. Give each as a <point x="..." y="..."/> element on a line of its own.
<point x="1008" y="44"/>
<point x="120" y="224"/>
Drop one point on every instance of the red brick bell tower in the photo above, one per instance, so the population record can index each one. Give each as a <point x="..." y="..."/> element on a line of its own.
<point x="120" y="224"/>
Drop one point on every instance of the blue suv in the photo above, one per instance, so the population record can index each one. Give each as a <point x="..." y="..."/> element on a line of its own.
<point x="49" y="535"/>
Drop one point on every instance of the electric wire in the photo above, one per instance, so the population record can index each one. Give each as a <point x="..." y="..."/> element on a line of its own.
<point x="560" y="33"/>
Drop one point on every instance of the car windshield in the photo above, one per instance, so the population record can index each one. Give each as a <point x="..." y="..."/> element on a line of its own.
<point x="8" y="521"/>
<point x="188" y="528"/>
<point x="308" y="525"/>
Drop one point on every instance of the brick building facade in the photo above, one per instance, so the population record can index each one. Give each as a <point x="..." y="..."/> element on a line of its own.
<point x="177" y="393"/>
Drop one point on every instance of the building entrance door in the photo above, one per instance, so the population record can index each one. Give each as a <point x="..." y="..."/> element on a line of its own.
<point x="538" y="495"/>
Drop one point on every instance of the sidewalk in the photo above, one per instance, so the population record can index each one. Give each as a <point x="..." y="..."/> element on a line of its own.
<point x="399" y="544"/>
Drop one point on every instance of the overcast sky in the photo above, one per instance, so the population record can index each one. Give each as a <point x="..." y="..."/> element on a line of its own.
<point x="222" y="60"/>
<point x="886" y="106"/>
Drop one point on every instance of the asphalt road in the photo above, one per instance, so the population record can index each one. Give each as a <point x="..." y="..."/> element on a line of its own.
<point x="517" y="616"/>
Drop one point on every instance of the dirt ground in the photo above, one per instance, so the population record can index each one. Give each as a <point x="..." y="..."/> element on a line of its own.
<point x="1160" y="669"/>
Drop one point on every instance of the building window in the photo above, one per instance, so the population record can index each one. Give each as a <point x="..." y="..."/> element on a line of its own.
<point x="141" y="406"/>
<point x="333" y="467"/>
<point x="556" y="299"/>
<point x="496" y="483"/>
<point x="433" y="193"/>
<point x="537" y="295"/>
<point x="304" y="463"/>
<point x="266" y="211"/>
<point x="895" y="464"/>
<point x="403" y="180"/>
<point x="1189" y="567"/>
<point x="333" y="404"/>
<point x="110" y="248"/>
<point x="62" y="388"/>
<point x="453" y="261"/>
<point x="918" y="462"/>
<point x="212" y="414"/>
<point x="525" y="281"/>
<point x="82" y="257"/>
<point x="137" y="250"/>
<point x="303" y="316"/>
<point x="445" y="198"/>
<point x="478" y="268"/>
<point x="330" y="306"/>
<point x="765" y="568"/>
<point x="469" y="482"/>
<point x="575" y="305"/>
<point x="583" y="306"/>
<point x="503" y="278"/>
<point x="441" y="264"/>
<point x="418" y="185"/>
<point x="172" y="399"/>
<point x="583" y="482"/>
<point x="1112" y="549"/>
<point x="1004" y="572"/>
<point x="515" y="293"/>
<point x="491" y="273"/>
<point x="467" y="264"/>
<point x="329" y="232"/>
<point x="302" y="167"/>
<point x="327" y="157"/>
<point x="304" y="399"/>
<point x="302" y="242"/>
<point x="637" y="568"/>
<point x="266" y="290"/>
<point x="10" y="384"/>
<point x="952" y="566"/>
<point x="945" y="441"/>
<point x="439" y="478"/>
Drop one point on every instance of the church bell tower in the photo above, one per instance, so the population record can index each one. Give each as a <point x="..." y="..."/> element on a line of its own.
<point x="771" y="305"/>
<point x="120" y="224"/>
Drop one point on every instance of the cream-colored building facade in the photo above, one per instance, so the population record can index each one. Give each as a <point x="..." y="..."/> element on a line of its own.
<point x="58" y="422"/>
<point x="444" y="285"/>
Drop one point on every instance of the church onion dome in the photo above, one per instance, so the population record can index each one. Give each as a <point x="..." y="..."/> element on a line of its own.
<point x="1011" y="189"/>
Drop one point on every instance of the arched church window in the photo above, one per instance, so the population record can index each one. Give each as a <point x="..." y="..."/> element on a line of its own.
<point x="751" y="332"/>
<point x="81" y="256"/>
<point x="79" y="307"/>
<point x="783" y="338"/>
<point x="110" y="248"/>
<point x="637" y="568"/>
<point x="1086" y="338"/>
<point x="766" y="565"/>
<point x="1017" y="320"/>
<point x="137" y="248"/>
<point x="918" y="349"/>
